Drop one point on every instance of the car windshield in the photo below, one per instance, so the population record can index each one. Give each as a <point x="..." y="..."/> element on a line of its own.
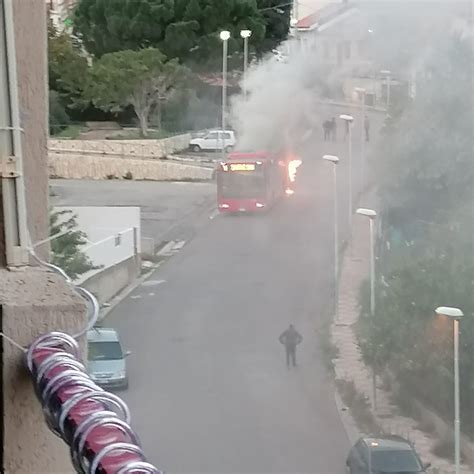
<point x="104" y="351"/>
<point x="395" y="461"/>
<point x="242" y="185"/>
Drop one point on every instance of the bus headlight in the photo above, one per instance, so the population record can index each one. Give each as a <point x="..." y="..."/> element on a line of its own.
<point x="224" y="206"/>
<point x="259" y="205"/>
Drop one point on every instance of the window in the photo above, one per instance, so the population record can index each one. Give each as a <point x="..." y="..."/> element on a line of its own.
<point x="212" y="136"/>
<point x="105" y="350"/>
<point x="347" y="49"/>
<point x="241" y="185"/>
<point x="227" y="136"/>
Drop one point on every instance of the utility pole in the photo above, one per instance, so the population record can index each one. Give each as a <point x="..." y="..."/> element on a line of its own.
<point x="15" y="234"/>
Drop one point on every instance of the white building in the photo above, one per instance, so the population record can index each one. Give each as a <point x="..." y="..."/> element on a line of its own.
<point x="60" y="11"/>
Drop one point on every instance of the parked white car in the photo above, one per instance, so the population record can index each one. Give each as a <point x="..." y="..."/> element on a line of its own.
<point x="214" y="140"/>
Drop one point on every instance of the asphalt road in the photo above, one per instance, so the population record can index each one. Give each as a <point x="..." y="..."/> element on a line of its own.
<point x="169" y="210"/>
<point x="209" y="388"/>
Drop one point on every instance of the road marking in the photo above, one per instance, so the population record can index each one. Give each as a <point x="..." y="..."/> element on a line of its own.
<point x="149" y="283"/>
<point x="214" y="214"/>
<point x="135" y="297"/>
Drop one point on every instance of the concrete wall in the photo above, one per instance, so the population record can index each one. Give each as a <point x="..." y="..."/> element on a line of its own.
<point x="71" y="166"/>
<point x="109" y="281"/>
<point x="32" y="301"/>
<point x="124" y="148"/>
<point x="114" y="245"/>
<point x="113" y="234"/>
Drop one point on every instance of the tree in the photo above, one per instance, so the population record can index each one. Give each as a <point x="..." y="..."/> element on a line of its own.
<point x="143" y="79"/>
<point x="58" y="118"/>
<point x="67" y="68"/>
<point x="186" y="29"/>
<point x="427" y="152"/>
<point x="66" y="247"/>
<point x="276" y="15"/>
<point x="424" y="177"/>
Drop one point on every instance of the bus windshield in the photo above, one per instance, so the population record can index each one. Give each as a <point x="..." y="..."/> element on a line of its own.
<point x="241" y="185"/>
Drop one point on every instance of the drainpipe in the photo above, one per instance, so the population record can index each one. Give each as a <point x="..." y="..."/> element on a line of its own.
<point x="11" y="167"/>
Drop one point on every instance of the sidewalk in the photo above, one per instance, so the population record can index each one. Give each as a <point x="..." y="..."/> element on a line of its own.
<point x="349" y="366"/>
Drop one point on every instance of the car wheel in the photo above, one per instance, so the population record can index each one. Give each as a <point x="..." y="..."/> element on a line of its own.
<point x="196" y="148"/>
<point x="229" y="148"/>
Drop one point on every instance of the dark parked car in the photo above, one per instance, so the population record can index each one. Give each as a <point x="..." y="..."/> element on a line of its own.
<point x="391" y="454"/>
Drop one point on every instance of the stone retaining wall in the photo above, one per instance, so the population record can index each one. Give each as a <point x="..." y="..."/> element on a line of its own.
<point x="124" y="148"/>
<point x="93" y="166"/>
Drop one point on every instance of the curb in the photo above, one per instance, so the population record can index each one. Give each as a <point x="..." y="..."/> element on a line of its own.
<point x="165" y="252"/>
<point x="347" y="420"/>
<point x="119" y="297"/>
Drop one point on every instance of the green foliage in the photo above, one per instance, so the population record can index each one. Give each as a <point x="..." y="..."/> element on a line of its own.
<point x="143" y="79"/>
<point x="428" y="150"/>
<point x="185" y="29"/>
<point x="67" y="69"/>
<point x="58" y="118"/>
<point x="276" y="15"/>
<point x="66" y="248"/>
<point x="426" y="251"/>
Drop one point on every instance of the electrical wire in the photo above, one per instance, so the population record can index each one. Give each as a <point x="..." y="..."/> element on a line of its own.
<point x="94" y="423"/>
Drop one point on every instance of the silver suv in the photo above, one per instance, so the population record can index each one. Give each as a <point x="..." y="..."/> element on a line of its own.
<point x="106" y="359"/>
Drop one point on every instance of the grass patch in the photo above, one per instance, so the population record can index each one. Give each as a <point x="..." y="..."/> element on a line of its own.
<point x="444" y="449"/>
<point x="135" y="135"/>
<point x="359" y="406"/>
<point x="405" y="404"/>
<point x="329" y="350"/>
<point x="71" y="131"/>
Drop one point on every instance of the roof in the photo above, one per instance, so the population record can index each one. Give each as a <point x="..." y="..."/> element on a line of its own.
<point x="388" y="443"/>
<point x="102" y="335"/>
<point x="324" y="15"/>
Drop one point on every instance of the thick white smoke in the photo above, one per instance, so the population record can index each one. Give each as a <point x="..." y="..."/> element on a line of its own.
<point x="282" y="102"/>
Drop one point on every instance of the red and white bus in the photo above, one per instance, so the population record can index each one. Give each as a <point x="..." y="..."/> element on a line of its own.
<point x="254" y="181"/>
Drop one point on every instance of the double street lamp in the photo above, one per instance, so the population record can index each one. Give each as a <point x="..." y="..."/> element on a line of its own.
<point x="371" y="215"/>
<point x="387" y="75"/>
<point x="349" y="119"/>
<point x="224" y="36"/>
<point x="335" y="160"/>
<point x="362" y="92"/>
<point x="455" y="314"/>
<point x="245" y="35"/>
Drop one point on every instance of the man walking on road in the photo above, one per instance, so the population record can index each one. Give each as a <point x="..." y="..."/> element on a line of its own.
<point x="290" y="339"/>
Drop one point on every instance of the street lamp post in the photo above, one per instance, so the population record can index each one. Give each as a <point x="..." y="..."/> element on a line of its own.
<point x="371" y="215"/>
<point x="224" y="35"/>
<point x="387" y="74"/>
<point x="335" y="160"/>
<point x="245" y="34"/>
<point x="372" y="48"/>
<point x="362" y="92"/>
<point x="349" y="119"/>
<point x="455" y="314"/>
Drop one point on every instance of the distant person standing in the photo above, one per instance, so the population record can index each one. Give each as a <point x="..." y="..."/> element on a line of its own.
<point x="327" y="130"/>
<point x="367" y="128"/>
<point x="334" y="129"/>
<point x="290" y="339"/>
